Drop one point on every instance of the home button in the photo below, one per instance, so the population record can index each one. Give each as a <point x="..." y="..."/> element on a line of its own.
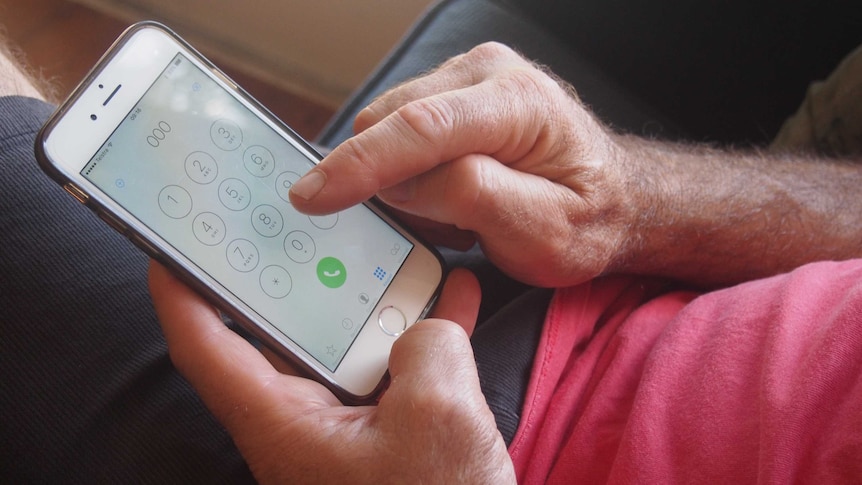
<point x="392" y="321"/>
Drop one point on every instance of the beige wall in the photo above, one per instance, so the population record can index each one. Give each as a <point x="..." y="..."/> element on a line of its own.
<point x="322" y="48"/>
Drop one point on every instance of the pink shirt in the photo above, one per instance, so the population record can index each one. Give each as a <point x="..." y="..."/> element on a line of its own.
<point x="756" y="383"/>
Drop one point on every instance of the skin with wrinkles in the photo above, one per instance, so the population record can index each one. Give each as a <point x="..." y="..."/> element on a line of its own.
<point x="490" y="160"/>
<point x="494" y="148"/>
<point x="490" y="149"/>
<point x="293" y="430"/>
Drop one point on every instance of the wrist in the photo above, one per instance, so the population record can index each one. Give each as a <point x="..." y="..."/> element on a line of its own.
<point x="638" y="194"/>
<point x="716" y="217"/>
<point x="683" y="203"/>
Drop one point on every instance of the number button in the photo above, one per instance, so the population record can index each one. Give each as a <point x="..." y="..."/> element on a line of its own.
<point x="258" y="161"/>
<point x="267" y="221"/>
<point x="324" y="222"/>
<point x="175" y="201"/>
<point x="226" y="135"/>
<point x="201" y="167"/>
<point x="283" y="184"/>
<point x="299" y="247"/>
<point x="275" y="281"/>
<point x="209" y="228"/>
<point x="242" y="255"/>
<point x="234" y="194"/>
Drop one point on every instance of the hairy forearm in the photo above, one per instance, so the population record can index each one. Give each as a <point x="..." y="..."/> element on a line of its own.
<point x="714" y="217"/>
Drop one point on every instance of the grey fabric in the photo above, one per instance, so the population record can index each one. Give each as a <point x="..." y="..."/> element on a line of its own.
<point x="728" y="71"/>
<point x="453" y="27"/>
<point x="89" y="394"/>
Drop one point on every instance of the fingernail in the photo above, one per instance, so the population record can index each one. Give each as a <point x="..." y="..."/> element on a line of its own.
<point x="309" y="185"/>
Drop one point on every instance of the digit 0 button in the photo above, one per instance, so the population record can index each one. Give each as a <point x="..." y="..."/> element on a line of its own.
<point x="299" y="247"/>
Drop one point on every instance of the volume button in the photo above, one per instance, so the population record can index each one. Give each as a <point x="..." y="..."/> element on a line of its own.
<point x="147" y="248"/>
<point x="77" y="193"/>
<point x="113" y="222"/>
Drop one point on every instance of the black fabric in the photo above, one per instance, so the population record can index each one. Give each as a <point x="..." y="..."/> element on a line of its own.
<point x="452" y="27"/>
<point x="505" y="345"/>
<point x="89" y="394"/>
<point x="508" y="329"/>
<point x="728" y="71"/>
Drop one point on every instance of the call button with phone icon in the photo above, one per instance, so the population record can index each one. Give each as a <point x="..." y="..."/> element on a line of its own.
<point x="331" y="272"/>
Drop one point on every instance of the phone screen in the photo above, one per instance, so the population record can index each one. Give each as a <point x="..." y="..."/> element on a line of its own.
<point x="202" y="170"/>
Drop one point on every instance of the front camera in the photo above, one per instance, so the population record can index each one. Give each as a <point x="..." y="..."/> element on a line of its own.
<point x="93" y="117"/>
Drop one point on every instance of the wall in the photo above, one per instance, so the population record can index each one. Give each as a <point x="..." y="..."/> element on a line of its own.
<point x="319" y="48"/>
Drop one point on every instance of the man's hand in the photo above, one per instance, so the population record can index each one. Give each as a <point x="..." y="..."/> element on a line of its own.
<point x="487" y="147"/>
<point x="490" y="148"/>
<point x="431" y="426"/>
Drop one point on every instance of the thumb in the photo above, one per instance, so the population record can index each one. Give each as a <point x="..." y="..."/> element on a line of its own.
<point x="435" y="399"/>
<point x="433" y="356"/>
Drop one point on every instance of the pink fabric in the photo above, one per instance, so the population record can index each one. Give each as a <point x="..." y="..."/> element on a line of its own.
<point x="756" y="383"/>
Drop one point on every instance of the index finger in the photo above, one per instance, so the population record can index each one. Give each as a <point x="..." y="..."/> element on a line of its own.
<point x="479" y="64"/>
<point x="503" y="118"/>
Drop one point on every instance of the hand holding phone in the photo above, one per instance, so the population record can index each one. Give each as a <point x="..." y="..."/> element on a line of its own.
<point x="170" y="152"/>
<point x="294" y="431"/>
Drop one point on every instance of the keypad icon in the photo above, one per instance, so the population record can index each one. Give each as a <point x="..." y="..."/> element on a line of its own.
<point x="379" y="273"/>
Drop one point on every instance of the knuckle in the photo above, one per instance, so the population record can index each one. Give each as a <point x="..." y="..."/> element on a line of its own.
<point x="429" y="119"/>
<point x="366" y="118"/>
<point x="468" y="191"/>
<point x="365" y="164"/>
<point x="492" y="51"/>
<point x="531" y="81"/>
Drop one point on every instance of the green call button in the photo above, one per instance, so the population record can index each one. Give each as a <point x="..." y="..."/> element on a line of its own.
<point x="331" y="272"/>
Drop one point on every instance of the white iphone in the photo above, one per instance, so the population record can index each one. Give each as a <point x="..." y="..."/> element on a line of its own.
<point x="170" y="152"/>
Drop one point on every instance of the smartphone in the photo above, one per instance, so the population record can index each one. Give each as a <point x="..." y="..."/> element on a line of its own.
<point x="170" y="152"/>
